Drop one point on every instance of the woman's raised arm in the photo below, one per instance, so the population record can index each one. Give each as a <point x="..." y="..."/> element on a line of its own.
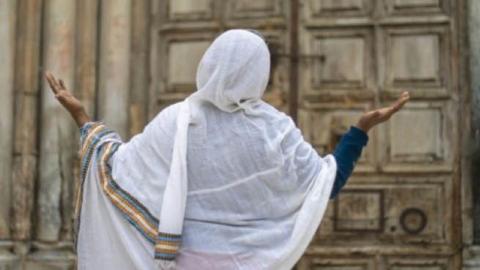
<point x="70" y="102"/>
<point x="349" y="149"/>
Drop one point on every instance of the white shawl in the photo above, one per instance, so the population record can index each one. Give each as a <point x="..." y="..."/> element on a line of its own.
<point x="223" y="179"/>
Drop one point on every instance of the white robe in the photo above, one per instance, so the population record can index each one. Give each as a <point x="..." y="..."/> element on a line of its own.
<point x="256" y="190"/>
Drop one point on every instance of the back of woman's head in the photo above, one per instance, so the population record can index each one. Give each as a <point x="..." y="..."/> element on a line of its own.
<point x="234" y="71"/>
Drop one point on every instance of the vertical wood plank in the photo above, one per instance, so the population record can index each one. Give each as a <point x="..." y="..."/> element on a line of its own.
<point x="57" y="147"/>
<point x="139" y="65"/>
<point x="7" y="52"/>
<point x="114" y="80"/>
<point x="26" y="90"/>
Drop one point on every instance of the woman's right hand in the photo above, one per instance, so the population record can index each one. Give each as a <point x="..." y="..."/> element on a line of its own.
<point x="375" y="117"/>
<point x="69" y="101"/>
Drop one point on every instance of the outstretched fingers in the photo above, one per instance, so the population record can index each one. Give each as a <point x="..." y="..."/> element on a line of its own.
<point x="52" y="82"/>
<point x="62" y="84"/>
<point x="397" y="105"/>
<point x="375" y="117"/>
<point x="404" y="97"/>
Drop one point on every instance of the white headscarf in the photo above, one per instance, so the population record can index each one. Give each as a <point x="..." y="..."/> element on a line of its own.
<point x="229" y="176"/>
<point x="234" y="71"/>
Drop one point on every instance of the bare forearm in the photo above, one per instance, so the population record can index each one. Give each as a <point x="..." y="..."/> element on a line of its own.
<point x="81" y="118"/>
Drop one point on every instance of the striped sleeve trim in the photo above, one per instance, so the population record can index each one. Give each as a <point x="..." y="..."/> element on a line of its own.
<point x="137" y="214"/>
<point x="91" y="134"/>
<point x="167" y="246"/>
<point x="94" y="144"/>
<point x="93" y="141"/>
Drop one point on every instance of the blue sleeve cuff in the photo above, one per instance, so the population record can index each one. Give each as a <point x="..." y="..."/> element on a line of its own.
<point x="358" y="135"/>
<point x="346" y="154"/>
<point x="86" y="126"/>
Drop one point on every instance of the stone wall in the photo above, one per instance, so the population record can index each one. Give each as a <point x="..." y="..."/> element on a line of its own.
<point x="100" y="50"/>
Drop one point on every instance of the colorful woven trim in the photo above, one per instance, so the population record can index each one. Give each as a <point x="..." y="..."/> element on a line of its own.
<point x="93" y="141"/>
<point x="91" y="135"/>
<point x="167" y="246"/>
<point x="137" y="214"/>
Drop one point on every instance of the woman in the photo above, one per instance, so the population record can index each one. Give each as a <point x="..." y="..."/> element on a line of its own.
<point x="221" y="180"/>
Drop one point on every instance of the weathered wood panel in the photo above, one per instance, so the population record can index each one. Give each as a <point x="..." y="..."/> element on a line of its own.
<point x="364" y="53"/>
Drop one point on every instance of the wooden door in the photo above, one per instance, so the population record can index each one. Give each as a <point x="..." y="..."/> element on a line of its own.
<point x="333" y="59"/>
<point x="183" y="29"/>
<point x="397" y="210"/>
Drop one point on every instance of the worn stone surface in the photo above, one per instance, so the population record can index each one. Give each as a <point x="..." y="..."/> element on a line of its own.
<point x="57" y="150"/>
<point x="140" y="64"/>
<point x="9" y="261"/>
<point x="86" y="53"/>
<point x="86" y="72"/>
<point x="114" y="76"/>
<point x="50" y="260"/>
<point x="7" y="53"/>
<point x="27" y="56"/>
<point x="24" y="169"/>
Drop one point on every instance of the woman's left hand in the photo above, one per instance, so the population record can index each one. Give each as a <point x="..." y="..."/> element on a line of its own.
<point x="375" y="117"/>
